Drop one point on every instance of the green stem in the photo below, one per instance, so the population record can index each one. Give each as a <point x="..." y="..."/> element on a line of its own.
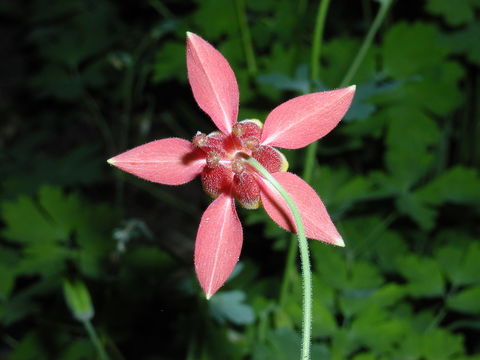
<point x="246" y="36"/>
<point x="318" y="39"/>
<point x="367" y="42"/>
<point x="309" y="164"/>
<point x="95" y="340"/>
<point x="304" y="257"/>
<point x="292" y="249"/>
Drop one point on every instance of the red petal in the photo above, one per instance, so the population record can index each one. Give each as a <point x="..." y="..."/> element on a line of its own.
<point x="305" y="119"/>
<point x="170" y="161"/>
<point x="218" y="244"/>
<point x="213" y="82"/>
<point x="316" y="220"/>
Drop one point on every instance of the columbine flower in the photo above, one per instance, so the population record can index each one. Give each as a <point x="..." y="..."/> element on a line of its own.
<point x="219" y="160"/>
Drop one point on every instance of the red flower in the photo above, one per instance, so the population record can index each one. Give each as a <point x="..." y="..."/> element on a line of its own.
<point x="219" y="160"/>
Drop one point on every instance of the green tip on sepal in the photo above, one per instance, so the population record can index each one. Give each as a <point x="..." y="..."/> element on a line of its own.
<point x="78" y="300"/>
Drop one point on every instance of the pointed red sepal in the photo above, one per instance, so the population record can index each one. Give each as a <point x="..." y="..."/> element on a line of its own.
<point x="305" y="119"/>
<point x="171" y="161"/>
<point x="213" y="82"/>
<point x="316" y="220"/>
<point x="218" y="244"/>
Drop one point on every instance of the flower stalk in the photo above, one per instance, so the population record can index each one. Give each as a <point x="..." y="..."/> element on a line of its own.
<point x="304" y="257"/>
<point x="367" y="42"/>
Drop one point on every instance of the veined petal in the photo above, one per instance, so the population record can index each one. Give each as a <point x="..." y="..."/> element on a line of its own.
<point x="213" y="82"/>
<point x="316" y="220"/>
<point x="305" y="119"/>
<point x="171" y="161"/>
<point x="218" y="244"/>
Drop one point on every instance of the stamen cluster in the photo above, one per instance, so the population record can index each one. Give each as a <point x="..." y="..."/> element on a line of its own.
<point x="227" y="171"/>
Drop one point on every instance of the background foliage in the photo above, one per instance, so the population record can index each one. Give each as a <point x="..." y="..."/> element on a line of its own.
<point x="82" y="80"/>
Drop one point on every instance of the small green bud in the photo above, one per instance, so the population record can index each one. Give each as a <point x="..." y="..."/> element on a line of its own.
<point x="78" y="300"/>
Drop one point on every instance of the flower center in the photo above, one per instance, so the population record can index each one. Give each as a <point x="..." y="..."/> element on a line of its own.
<point x="226" y="169"/>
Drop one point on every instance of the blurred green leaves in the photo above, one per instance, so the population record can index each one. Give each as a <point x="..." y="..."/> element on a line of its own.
<point x="54" y="228"/>
<point x="423" y="276"/>
<point x="455" y="13"/>
<point x="411" y="48"/>
<point x="229" y="306"/>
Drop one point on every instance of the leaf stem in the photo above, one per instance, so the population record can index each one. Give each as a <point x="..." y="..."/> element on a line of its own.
<point x="367" y="42"/>
<point x="318" y="39"/>
<point x="246" y="36"/>
<point x="95" y="340"/>
<point x="304" y="257"/>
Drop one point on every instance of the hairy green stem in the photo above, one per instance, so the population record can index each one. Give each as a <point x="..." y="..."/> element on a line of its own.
<point x="304" y="257"/>
<point x="318" y="39"/>
<point x="95" y="340"/>
<point x="367" y="42"/>
<point x="246" y="36"/>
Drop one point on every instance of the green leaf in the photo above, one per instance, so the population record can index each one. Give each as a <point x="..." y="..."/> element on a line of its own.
<point x="299" y="83"/>
<point x="22" y="302"/>
<point x="409" y="49"/>
<point x="80" y="349"/>
<point x="439" y="344"/>
<point x="464" y="41"/>
<point x="375" y="329"/>
<point x="284" y="344"/>
<point x="460" y="265"/>
<point x="39" y="229"/>
<point x="325" y="260"/>
<point x="467" y="301"/>
<point x="411" y="346"/>
<point x="410" y="135"/>
<point x="61" y="227"/>
<point x="388" y="247"/>
<point x="385" y="296"/>
<point x="211" y="25"/>
<point x="344" y="343"/>
<point x="7" y="280"/>
<point x="339" y="54"/>
<point x="229" y="305"/>
<point x="341" y="190"/>
<point x="455" y="13"/>
<point x="365" y="356"/>
<point x="30" y="347"/>
<point x="423" y="275"/>
<point x="410" y="204"/>
<point x="458" y="185"/>
<point x="361" y="108"/>
<point x="167" y="63"/>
